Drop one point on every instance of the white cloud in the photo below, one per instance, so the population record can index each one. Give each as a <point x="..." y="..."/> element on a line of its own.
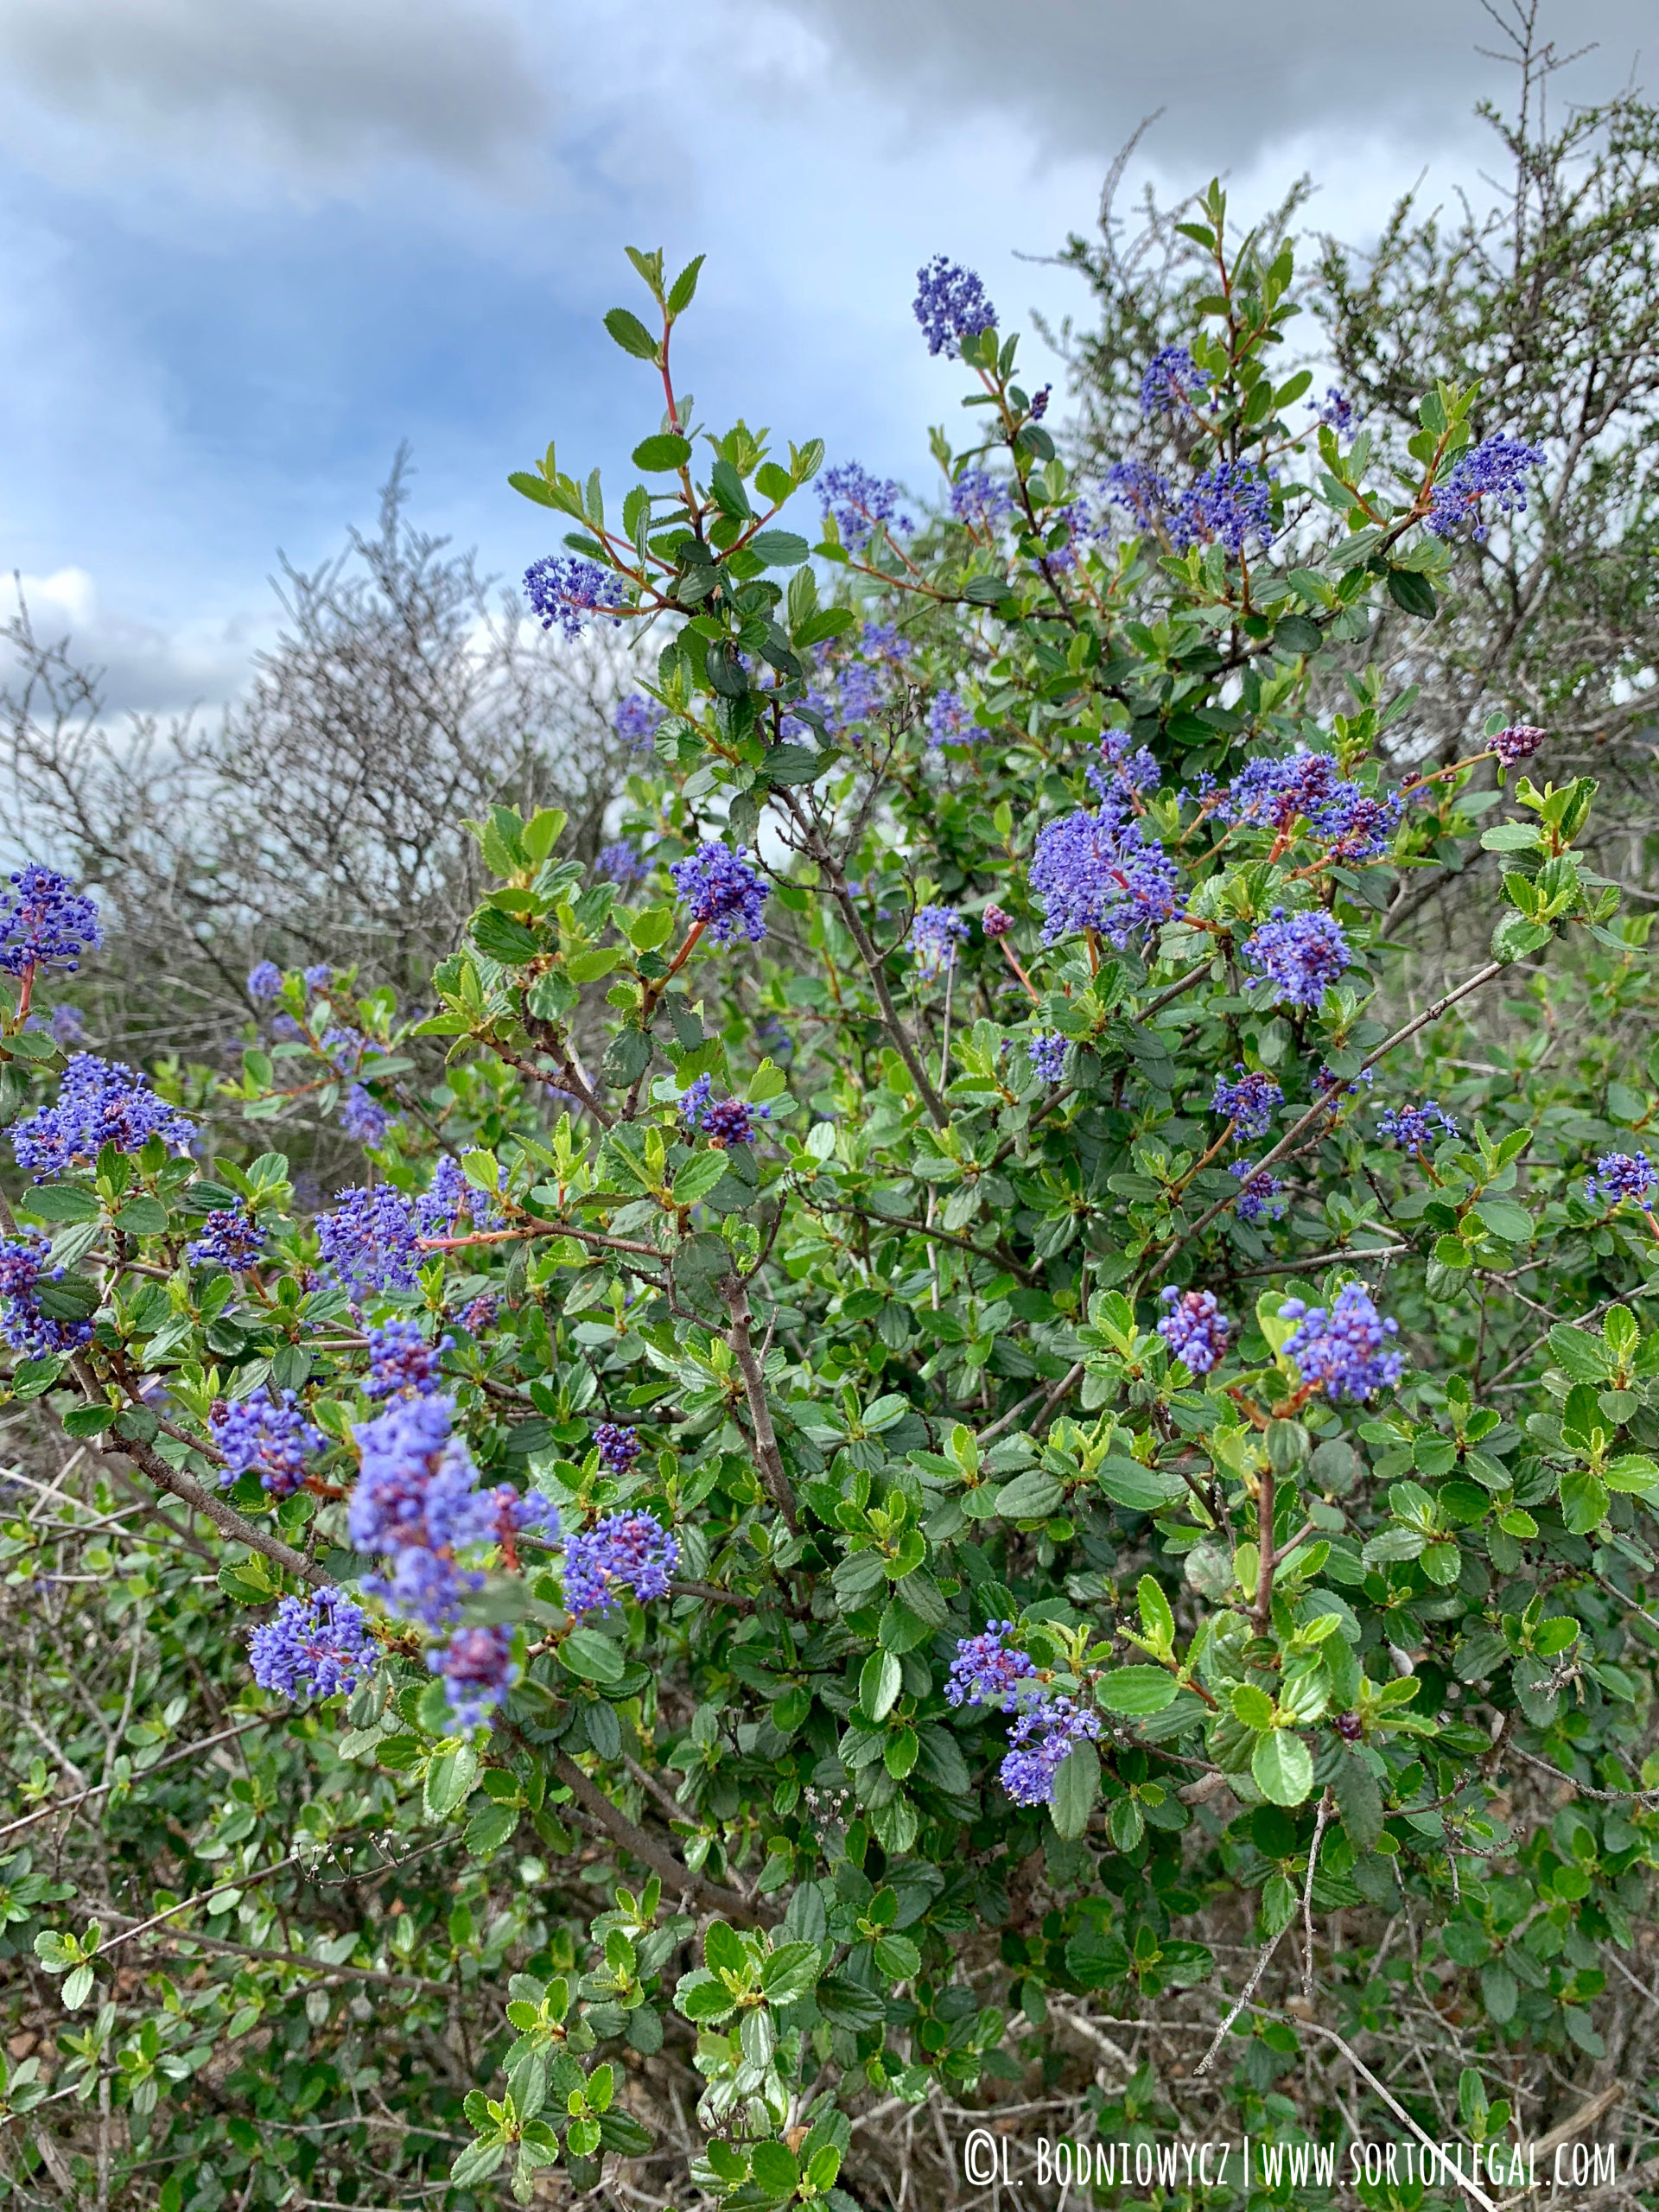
<point x="141" y="668"/>
<point x="331" y="85"/>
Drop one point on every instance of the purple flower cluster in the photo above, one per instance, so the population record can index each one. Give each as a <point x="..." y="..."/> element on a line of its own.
<point x="1261" y="1194"/>
<point x="1339" y="411"/>
<point x="950" y="721"/>
<point x="1251" y="1104"/>
<point x="1621" y="1175"/>
<point x="369" y="1239"/>
<point x="950" y="305"/>
<point x="1518" y="742"/>
<point x="1047" y="1055"/>
<point x="619" y="1447"/>
<point x="1122" y="768"/>
<point x="314" y="1647"/>
<point x="934" y="936"/>
<point x="985" y="1671"/>
<point x="723" y="891"/>
<point x="231" y="1238"/>
<point x="267" y="1436"/>
<point x="1171" y="379"/>
<point x="401" y="1363"/>
<point x="722" y="1120"/>
<point x="416" y="1500"/>
<point x="99" y="1102"/>
<point x="1141" y="491"/>
<point x="630" y="1551"/>
<point x="68" y="1026"/>
<point x="995" y="923"/>
<point x="1346" y="1352"/>
<point x="1194" y="1328"/>
<point x="265" y="980"/>
<point x="319" y="976"/>
<point x="621" y="863"/>
<point x="1223" y="505"/>
<point x="1098" y="872"/>
<point x="1495" y="469"/>
<point x="1308" y="787"/>
<point x="480" y="1314"/>
<point x="45" y="921"/>
<point x="861" y="504"/>
<point x="636" y="721"/>
<point x="882" y="640"/>
<point x="981" y="501"/>
<point x="1415" y="1128"/>
<point x="478" y="1671"/>
<point x="1039" y="1741"/>
<point x="446" y="1197"/>
<point x="25" y="1264"/>
<point x="363" y="1117"/>
<point x="1299" y="954"/>
<point x="562" y="588"/>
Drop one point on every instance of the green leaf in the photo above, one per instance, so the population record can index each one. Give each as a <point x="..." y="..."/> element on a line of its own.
<point x="88" y="1421"/>
<point x="1141" y="1489"/>
<point x="534" y="487"/>
<point x="631" y="335"/>
<point x="698" y="1177"/>
<point x="790" y="1971"/>
<point x="1584" y="1500"/>
<point x="880" y="1682"/>
<point x="1076" y="1785"/>
<point x="502" y="937"/>
<point x="1505" y="1219"/>
<point x="667" y="451"/>
<point x="1359" y="1801"/>
<point x="779" y="549"/>
<point x="591" y="1656"/>
<point x="1157" y="1621"/>
<point x="1282" y="1767"/>
<point x="59" y="1202"/>
<point x="142" y="1216"/>
<point x="1136" y="1690"/>
<point x="684" y="290"/>
<point x="1500" y="1992"/>
<point x="1415" y="594"/>
<point x="1253" y="1707"/>
<point x="449" y="1780"/>
<point x="1031" y="1496"/>
<point x="775" y="2170"/>
<point x="588" y="966"/>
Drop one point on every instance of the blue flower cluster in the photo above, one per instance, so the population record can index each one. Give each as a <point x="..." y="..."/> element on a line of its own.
<point x="934" y="936"/>
<point x="319" y="976"/>
<point x="950" y="305"/>
<point x="267" y="1436"/>
<point x="1171" y="379"/>
<point x="402" y="1363"/>
<point x="1339" y="411"/>
<point x="987" y="1671"/>
<point x="1251" y="1104"/>
<point x="723" y="893"/>
<point x="265" y="980"/>
<point x="1039" y="1741"/>
<point x="1262" y="1194"/>
<point x="1309" y="786"/>
<point x="861" y="504"/>
<point x="314" y="1647"/>
<point x="1415" y="1128"/>
<point x="563" y="587"/>
<point x="981" y="501"/>
<point x="99" y="1102"/>
<point x="363" y="1117"/>
<point x="1519" y="741"/>
<point x="231" y="1237"/>
<point x="722" y="1120"/>
<point x="1496" y="469"/>
<point x="371" y="1239"/>
<point x="950" y="721"/>
<point x="1098" y="872"/>
<point x="621" y="863"/>
<point x="1225" y="505"/>
<point x="1621" y="1175"/>
<point x="1122" y="768"/>
<point x="1299" y="954"/>
<point x="1195" y="1328"/>
<point x="636" y="721"/>
<point x="478" y="1671"/>
<point x="1346" y="1352"/>
<point x="625" y="1551"/>
<point x="619" y="1447"/>
<point x="25" y="1265"/>
<point x="45" y="921"/>
<point x="1047" y="1053"/>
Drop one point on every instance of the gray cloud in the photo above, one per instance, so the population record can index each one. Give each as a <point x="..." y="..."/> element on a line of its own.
<point x="1231" y="80"/>
<point x="320" y="84"/>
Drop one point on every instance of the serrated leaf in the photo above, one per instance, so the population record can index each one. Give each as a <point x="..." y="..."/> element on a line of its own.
<point x="1136" y="1691"/>
<point x="662" y="453"/>
<point x="1282" y="1767"/>
<point x="1077" y="1786"/>
<point x="631" y="335"/>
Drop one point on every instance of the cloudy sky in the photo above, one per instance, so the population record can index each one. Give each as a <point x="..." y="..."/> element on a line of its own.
<point x="246" y="250"/>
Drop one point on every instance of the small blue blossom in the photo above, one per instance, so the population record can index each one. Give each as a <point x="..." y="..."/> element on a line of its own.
<point x="1415" y="1129"/>
<point x="950" y="721"/>
<point x="231" y="1237"/>
<point x="1495" y="469"/>
<point x="723" y="893"/>
<point x="265" y="980"/>
<point x="25" y="1265"/>
<point x="1098" y="872"/>
<point x="368" y="1240"/>
<point x="416" y="1500"/>
<point x="722" y="1120"/>
<point x="1195" y="1329"/>
<point x="1518" y="742"/>
<point x="981" y="501"/>
<point x="45" y="921"/>
<point x="934" y="936"/>
<point x="950" y="305"/>
<point x="1142" y="492"/>
<point x="1621" y="1175"/>
<point x="477" y="1669"/>
<point x="986" y="1671"/>
<point x="1339" y="411"/>
<point x="1300" y="954"/>
<point x="1047" y="1055"/>
<point x="1251" y="1104"/>
<point x="861" y="504"/>
<point x="267" y="1436"/>
<point x="1224" y="505"/>
<point x="563" y="588"/>
<point x="319" y="976"/>
<point x="627" y="1551"/>
<point x="1309" y="786"/>
<point x="637" y="720"/>
<point x="1040" y="1739"/>
<point x="363" y="1117"/>
<point x="1122" y="768"/>
<point x="315" y="1647"/>
<point x="402" y="1363"/>
<point x="618" y="1446"/>
<point x="1262" y="1194"/>
<point x="99" y="1102"/>
<point x="621" y="863"/>
<point x="1345" y="1352"/>
<point x="1171" y="379"/>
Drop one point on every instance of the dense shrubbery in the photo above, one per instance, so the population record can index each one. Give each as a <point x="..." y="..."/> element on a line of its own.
<point x="945" y="1406"/>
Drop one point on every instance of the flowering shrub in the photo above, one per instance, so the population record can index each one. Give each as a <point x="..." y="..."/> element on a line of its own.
<point x="786" y="1330"/>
